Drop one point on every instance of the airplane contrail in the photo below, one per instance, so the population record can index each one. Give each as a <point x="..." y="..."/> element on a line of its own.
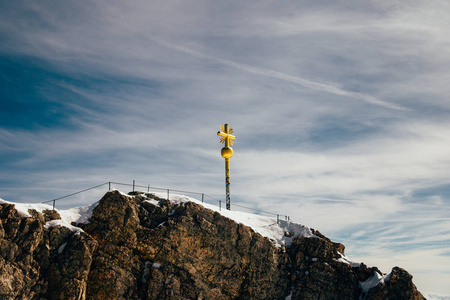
<point x="317" y="86"/>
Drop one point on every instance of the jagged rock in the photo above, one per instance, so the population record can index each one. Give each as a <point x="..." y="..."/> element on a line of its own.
<point x="50" y="215"/>
<point x="399" y="286"/>
<point x="33" y="264"/>
<point x="202" y="253"/>
<point x="70" y="266"/>
<point x="318" y="274"/>
<point x="136" y="248"/>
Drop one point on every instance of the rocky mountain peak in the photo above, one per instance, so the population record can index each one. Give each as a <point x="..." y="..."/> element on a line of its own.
<point x="143" y="247"/>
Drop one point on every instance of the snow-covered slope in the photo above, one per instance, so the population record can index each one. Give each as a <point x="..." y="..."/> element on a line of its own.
<point x="266" y="226"/>
<point x="76" y="214"/>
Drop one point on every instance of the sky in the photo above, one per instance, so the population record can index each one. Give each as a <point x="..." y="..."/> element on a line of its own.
<point x="340" y="110"/>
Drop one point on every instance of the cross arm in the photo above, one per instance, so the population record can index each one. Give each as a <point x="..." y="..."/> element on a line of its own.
<point x="226" y="135"/>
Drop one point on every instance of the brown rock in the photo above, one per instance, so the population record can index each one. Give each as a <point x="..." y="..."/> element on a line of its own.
<point x="32" y="259"/>
<point x="138" y="249"/>
<point x="399" y="286"/>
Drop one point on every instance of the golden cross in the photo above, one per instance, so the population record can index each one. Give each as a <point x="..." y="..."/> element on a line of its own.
<point x="226" y="134"/>
<point x="227" y="152"/>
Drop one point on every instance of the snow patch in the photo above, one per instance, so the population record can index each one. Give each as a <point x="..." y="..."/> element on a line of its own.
<point x="78" y="215"/>
<point x="61" y="248"/>
<point x="123" y="194"/>
<point x="152" y="201"/>
<point x="374" y="281"/>
<point x="156" y="265"/>
<point x="62" y="223"/>
<point x="266" y="226"/>
<point x="74" y="215"/>
<point x="281" y="233"/>
<point x="22" y="208"/>
<point x="68" y="216"/>
<point x="344" y="259"/>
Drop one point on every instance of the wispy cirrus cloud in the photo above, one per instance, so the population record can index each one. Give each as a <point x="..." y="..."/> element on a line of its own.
<point x="340" y="111"/>
<point x="316" y="86"/>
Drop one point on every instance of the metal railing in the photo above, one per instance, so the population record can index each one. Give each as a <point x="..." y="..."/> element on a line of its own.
<point x="204" y="197"/>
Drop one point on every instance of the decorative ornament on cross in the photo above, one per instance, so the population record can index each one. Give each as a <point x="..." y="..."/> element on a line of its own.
<point x="227" y="139"/>
<point x="227" y="152"/>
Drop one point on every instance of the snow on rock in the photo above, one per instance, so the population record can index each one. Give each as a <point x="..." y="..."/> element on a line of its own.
<point x="61" y="248"/>
<point x="280" y="234"/>
<point x="122" y="193"/>
<point x="156" y="265"/>
<point x="266" y="226"/>
<point x="23" y="208"/>
<point x="62" y="223"/>
<point x="76" y="214"/>
<point x="373" y="281"/>
<point x="152" y="201"/>
<point x="73" y="215"/>
<point x="344" y="259"/>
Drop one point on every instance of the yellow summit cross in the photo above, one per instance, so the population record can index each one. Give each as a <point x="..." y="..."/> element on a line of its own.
<point x="227" y="152"/>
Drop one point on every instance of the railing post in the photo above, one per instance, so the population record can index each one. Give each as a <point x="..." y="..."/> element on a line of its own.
<point x="203" y="196"/>
<point x="109" y="186"/>
<point x="54" y="204"/>
<point x="278" y="219"/>
<point x="220" y="205"/>
<point x="167" y="194"/>
<point x="133" y="185"/>
<point x="148" y="189"/>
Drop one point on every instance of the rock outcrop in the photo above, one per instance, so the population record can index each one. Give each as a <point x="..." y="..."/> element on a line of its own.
<point x="133" y="248"/>
<point x="42" y="263"/>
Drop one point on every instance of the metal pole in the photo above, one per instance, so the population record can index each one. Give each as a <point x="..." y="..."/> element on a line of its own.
<point x="54" y="204"/>
<point x="220" y="205"/>
<point x="203" y="196"/>
<point x="278" y="219"/>
<point x="167" y="194"/>
<point x="227" y="182"/>
<point x="109" y="186"/>
<point x="133" y="185"/>
<point x="227" y="153"/>
<point x="148" y="188"/>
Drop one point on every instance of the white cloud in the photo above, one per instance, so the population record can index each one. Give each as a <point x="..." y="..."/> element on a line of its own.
<point x="340" y="111"/>
<point x="404" y="159"/>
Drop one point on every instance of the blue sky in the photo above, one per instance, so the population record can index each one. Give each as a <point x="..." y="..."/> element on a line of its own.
<point x="341" y="112"/>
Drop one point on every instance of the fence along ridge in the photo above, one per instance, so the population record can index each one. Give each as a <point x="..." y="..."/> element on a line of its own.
<point x="148" y="187"/>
